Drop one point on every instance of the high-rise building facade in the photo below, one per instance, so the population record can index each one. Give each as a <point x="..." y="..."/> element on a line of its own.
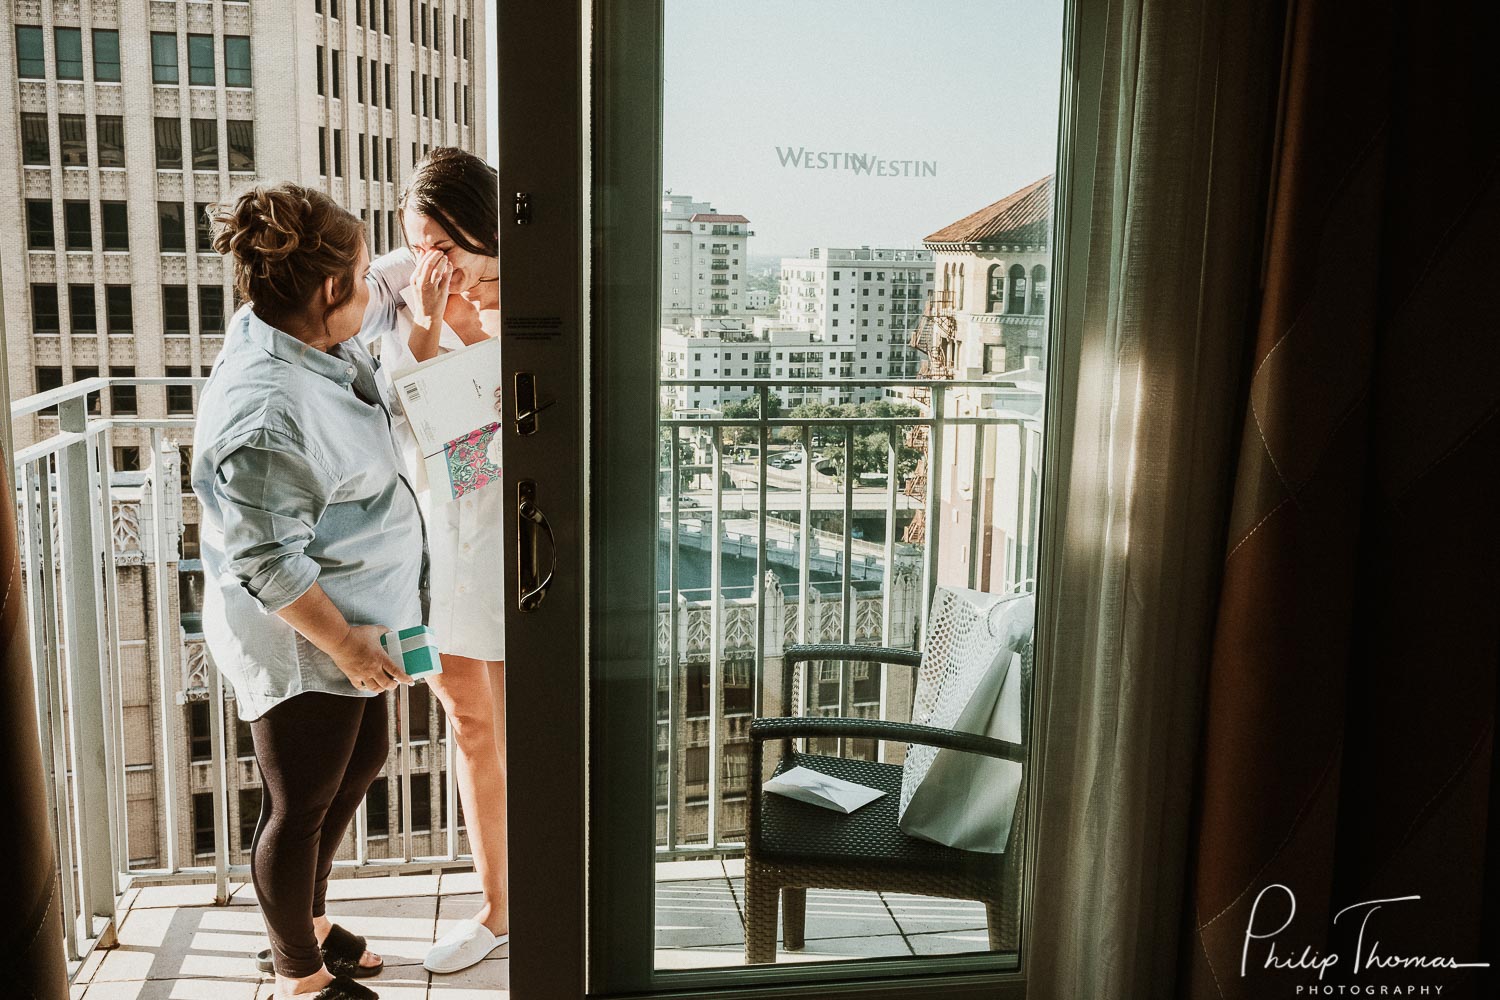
<point x="130" y="117"/>
<point x="859" y="295"/>
<point x="124" y="121"/>
<point x="705" y="261"/>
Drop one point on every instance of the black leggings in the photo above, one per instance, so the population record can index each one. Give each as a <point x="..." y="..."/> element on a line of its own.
<point x="318" y="754"/>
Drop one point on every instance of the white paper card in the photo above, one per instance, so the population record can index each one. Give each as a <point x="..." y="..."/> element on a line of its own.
<point x="815" y="788"/>
<point x="449" y="396"/>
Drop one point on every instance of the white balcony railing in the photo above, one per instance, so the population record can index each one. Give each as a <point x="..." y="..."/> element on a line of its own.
<point x="828" y="563"/>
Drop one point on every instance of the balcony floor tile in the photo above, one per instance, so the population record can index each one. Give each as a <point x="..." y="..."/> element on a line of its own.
<point x="930" y="914"/>
<point x="950" y="942"/>
<point x="697" y="913"/>
<point x="837" y="913"/>
<point x="820" y="950"/>
<point x="174" y="989"/>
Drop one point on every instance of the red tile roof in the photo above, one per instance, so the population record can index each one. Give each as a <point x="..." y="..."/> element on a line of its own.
<point x="710" y="217"/>
<point x="1022" y="217"/>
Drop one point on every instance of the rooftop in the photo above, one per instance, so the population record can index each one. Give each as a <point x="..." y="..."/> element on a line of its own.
<point x="1019" y="218"/>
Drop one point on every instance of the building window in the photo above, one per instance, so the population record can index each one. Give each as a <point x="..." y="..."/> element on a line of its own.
<point x="210" y="311"/>
<point x="424" y="24"/>
<point x="163" y="57"/>
<point x="179" y="397"/>
<point x="337" y="73"/>
<point x="122" y="397"/>
<point x="91" y="402"/>
<point x="390" y="159"/>
<point x="359" y="141"/>
<point x="322" y="151"/>
<point x="39" y="232"/>
<point x="421" y="802"/>
<point x="48" y="377"/>
<point x="378" y="809"/>
<point x="127" y="458"/>
<point x="73" y="138"/>
<point x="995" y="297"/>
<point x="321" y="89"/>
<point x="203" y="229"/>
<point x="250" y="800"/>
<point x="236" y="61"/>
<point x="31" y="56"/>
<point x="1038" y="290"/>
<point x="114" y="219"/>
<point x="109" y="131"/>
<point x="359" y="78"/>
<point x="375" y="157"/>
<point x="174" y="310"/>
<point x="425" y="102"/>
<point x="44" y="313"/>
<point x="171" y="226"/>
<point x="69" y="48"/>
<point x="338" y="152"/>
<point x="77" y="226"/>
<point x="1017" y="301"/>
<point x="419" y="703"/>
<point x="106" y="55"/>
<point x="36" y="145"/>
<point x="119" y="315"/>
<point x="81" y="305"/>
<point x="457" y="103"/>
<point x="168" y="144"/>
<point x="203" y="823"/>
<point x="241" y="134"/>
<point x="201" y="60"/>
<point x="388" y="88"/>
<point x="205" y="135"/>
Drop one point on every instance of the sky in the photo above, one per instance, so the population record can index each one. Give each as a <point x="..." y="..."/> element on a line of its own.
<point x="956" y="103"/>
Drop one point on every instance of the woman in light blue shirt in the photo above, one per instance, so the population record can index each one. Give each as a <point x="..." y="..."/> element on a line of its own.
<point x="313" y="546"/>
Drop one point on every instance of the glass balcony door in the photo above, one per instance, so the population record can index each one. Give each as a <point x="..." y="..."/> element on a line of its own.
<point x="776" y="279"/>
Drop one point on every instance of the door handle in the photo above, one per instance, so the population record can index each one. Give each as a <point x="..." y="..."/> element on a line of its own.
<point x="531" y="523"/>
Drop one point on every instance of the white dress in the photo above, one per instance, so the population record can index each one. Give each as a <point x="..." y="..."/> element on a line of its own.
<point x="464" y="536"/>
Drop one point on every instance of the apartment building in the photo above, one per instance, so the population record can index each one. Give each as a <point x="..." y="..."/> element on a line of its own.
<point x="864" y="295"/>
<point x="704" y="259"/>
<point x="126" y="120"/>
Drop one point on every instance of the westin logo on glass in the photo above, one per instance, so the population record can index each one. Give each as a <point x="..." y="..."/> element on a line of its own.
<point x="802" y="158"/>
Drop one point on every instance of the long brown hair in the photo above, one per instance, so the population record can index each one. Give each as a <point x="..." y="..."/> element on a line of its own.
<point x="461" y="193"/>
<point x="286" y="241"/>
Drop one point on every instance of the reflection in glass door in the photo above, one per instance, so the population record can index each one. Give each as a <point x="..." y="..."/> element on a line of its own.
<point x="855" y="249"/>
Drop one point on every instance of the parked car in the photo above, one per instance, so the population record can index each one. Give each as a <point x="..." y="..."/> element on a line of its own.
<point x="784" y="462"/>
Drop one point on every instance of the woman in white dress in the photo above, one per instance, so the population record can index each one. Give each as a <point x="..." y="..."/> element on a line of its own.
<point x="437" y="295"/>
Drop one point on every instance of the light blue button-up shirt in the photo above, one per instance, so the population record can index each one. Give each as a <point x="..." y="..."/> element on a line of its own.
<point x="299" y="482"/>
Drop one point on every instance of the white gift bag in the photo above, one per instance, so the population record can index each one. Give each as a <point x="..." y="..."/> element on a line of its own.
<point x="969" y="681"/>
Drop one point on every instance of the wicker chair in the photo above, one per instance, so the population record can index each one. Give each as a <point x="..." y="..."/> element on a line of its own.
<point x="793" y="846"/>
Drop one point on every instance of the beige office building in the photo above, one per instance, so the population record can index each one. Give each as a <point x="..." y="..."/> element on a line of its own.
<point x="125" y="119"/>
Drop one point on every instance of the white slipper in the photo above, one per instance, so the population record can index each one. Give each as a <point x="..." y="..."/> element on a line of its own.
<point x="468" y="943"/>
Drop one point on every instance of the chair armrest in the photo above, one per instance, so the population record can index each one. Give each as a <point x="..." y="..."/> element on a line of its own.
<point x="786" y="729"/>
<point x="798" y="654"/>
<point x="876" y="729"/>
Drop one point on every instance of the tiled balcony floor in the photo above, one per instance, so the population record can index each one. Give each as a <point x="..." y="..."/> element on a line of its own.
<point x="176" y="945"/>
<point x="700" y="921"/>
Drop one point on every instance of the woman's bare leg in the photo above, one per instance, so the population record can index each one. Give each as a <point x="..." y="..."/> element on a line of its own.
<point x="473" y="696"/>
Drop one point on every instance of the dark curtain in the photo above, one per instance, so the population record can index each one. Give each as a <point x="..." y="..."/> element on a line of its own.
<point x="1348" y="749"/>
<point x="31" y="919"/>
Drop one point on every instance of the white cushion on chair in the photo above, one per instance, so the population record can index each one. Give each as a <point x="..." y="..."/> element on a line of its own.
<point x="968" y="682"/>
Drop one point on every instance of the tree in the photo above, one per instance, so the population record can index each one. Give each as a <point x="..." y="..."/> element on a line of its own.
<point x="748" y="409"/>
<point x="870" y="443"/>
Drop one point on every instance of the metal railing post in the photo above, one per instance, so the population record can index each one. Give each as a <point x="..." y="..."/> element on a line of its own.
<point x="220" y="780"/>
<point x="85" y="672"/>
<point x="165" y="637"/>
